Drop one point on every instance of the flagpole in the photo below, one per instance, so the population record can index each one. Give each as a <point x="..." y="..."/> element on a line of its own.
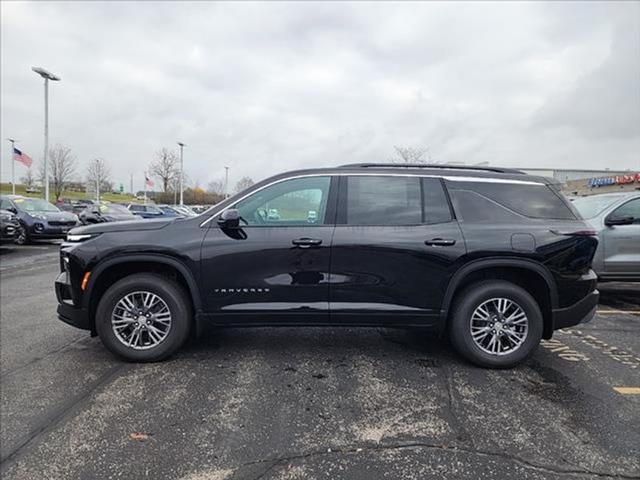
<point x="13" y="166"/>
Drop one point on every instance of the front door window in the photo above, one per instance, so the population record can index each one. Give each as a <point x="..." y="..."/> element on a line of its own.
<point x="295" y="202"/>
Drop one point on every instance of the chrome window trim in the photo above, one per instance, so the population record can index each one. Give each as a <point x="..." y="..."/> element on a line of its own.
<point x="379" y="174"/>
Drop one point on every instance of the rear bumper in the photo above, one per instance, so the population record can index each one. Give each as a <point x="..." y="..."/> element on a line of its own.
<point x="67" y="311"/>
<point x="580" y="312"/>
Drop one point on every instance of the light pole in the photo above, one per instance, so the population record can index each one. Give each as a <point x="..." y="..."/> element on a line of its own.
<point x="182" y="145"/>
<point x="226" y="181"/>
<point x="47" y="76"/>
<point x="13" y="165"/>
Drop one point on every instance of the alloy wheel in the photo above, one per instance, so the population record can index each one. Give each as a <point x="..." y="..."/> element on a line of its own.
<point x="141" y="320"/>
<point x="499" y="326"/>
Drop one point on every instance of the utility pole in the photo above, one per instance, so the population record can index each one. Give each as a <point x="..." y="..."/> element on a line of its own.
<point x="182" y="145"/>
<point x="226" y="182"/>
<point x="131" y="183"/>
<point x="13" y="166"/>
<point x="47" y="76"/>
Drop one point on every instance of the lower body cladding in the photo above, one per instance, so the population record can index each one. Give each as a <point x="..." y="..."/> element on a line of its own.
<point x="78" y="316"/>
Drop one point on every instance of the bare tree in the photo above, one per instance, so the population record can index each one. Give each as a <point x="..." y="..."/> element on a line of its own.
<point x="165" y="167"/>
<point x="216" y="187"/>
<point x="412" y="154"/>
<point x="62" y="165"/>
<point x="28" y="180"/>
<point x="98" y="173"/>
<point x="243" y="183"/>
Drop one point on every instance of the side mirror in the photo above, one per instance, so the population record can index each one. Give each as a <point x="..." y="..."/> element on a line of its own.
<point x="611" y="221"/>
<point x="230" y="218"/>
<point x="12" y="209"/>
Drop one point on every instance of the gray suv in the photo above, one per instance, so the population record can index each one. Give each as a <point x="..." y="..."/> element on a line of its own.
<point x="616" y="218"/>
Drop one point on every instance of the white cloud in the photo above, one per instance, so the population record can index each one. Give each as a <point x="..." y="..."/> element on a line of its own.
<point x="265" y="87"/>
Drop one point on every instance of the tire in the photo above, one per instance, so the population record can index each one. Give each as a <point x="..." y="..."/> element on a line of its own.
<point x="21" y="236"/>
<point x="480" y="301"/>
<point x="150" y="347"/>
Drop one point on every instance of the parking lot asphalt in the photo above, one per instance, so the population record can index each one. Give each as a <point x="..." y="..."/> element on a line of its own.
<point x="286" y="403"/>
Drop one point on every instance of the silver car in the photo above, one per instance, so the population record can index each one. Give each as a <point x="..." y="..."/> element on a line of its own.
<point x="616" y="219"/>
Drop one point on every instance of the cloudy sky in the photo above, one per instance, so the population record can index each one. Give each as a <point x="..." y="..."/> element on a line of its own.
<point x="265" y="87"/>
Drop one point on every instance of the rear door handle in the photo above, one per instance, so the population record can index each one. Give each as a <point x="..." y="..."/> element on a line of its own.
<point x="442" y="242"/>
<point x="307" y="242"/>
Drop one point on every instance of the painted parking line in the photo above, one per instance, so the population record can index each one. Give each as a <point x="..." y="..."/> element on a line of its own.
<point x="628" y="390"/>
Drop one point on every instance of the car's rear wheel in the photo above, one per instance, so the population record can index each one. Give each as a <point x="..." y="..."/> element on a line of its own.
<point x="144" y="318"/>
<point x="495" y="324"/>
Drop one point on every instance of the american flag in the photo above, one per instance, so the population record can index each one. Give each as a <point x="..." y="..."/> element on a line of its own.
<point x="148" y="181"/>
<point x="23" y="158"/>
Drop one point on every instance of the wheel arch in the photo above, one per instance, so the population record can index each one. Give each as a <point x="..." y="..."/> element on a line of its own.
<point x="532" y="276"/>
<point x="111" y="270"/>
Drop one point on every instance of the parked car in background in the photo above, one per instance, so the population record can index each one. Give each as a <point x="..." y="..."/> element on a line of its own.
<point x="170" y="211"/>
<point x="38" y="218"/>
<point x="493" y="258"/>
<point x="198" y="209"/>
<point x="8" y="225"/>
<point x="147" y="210"/>
<point x="616" y="219"/>
<point x="185" y="210"/>
<point x="106" y="212"/>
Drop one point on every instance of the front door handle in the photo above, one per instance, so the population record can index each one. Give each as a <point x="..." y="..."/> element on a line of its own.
<point x="307" y="242"/>
<point x="441" y="242"/>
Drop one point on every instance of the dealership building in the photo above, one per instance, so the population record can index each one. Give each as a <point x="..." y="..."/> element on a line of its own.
<point x="590" y="182"/>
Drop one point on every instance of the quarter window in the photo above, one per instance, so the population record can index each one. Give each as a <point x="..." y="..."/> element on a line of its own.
<point x="299" y="201"/>
<point x="383" y="200"/>
<point x="435" y="204"/>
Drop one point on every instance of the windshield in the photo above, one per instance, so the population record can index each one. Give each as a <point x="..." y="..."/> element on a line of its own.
<point x="592" y="206"/>
<point x="115" y="210"/>
<point x="35" y="205"/>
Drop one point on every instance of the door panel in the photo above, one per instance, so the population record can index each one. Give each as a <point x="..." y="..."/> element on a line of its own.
<point x="390" y="269"/>
<point x="278" y="262"/>
<point x="394" y="248"/>
<point x="622" y="243"/>
<point x="259" y="270"/>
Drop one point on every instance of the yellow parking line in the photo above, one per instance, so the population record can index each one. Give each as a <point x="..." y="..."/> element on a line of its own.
<point x="628" y="390"/>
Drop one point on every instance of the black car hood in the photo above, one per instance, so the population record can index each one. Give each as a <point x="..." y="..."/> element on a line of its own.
<point x="54" y="216"/>
<point x="127" y="226"/>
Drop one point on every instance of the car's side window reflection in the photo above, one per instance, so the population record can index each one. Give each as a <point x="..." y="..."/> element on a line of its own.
<point x="629" y="209"/>
<point x="299" y="201"/>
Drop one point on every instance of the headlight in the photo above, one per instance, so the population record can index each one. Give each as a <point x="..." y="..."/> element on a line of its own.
<point x="5" y="217"/>
<point x="80" y="237"/>
<point x="39" y="217"/>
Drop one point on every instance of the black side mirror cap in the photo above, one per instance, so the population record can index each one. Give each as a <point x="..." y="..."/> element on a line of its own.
<point x="611" y="221"/>
<point x="230" y="218"/>
<point x="12" y="210"/>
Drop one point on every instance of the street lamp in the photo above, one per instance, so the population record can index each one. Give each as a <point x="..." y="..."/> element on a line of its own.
<point x="47" y="76"/>
<point x="182" y="145"/>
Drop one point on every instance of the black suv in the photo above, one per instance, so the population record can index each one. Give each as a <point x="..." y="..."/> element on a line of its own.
<point x="494" y="258"/>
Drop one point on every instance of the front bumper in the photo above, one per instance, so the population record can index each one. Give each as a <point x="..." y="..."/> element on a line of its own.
<point x="8" y="230"/>
<point x="582" y="311"/>
<point x="67" y="311"/>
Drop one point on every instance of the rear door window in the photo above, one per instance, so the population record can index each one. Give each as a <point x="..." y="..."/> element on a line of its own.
<point x="383" y="200"/>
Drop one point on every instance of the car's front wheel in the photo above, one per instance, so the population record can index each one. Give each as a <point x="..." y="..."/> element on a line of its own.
<point x="144" y="318"/>
<point x="495" y="324"/>
<point x="21" y="236"/>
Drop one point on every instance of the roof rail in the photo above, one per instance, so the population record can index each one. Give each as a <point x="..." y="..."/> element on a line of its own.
<point x="431" y="165"/>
